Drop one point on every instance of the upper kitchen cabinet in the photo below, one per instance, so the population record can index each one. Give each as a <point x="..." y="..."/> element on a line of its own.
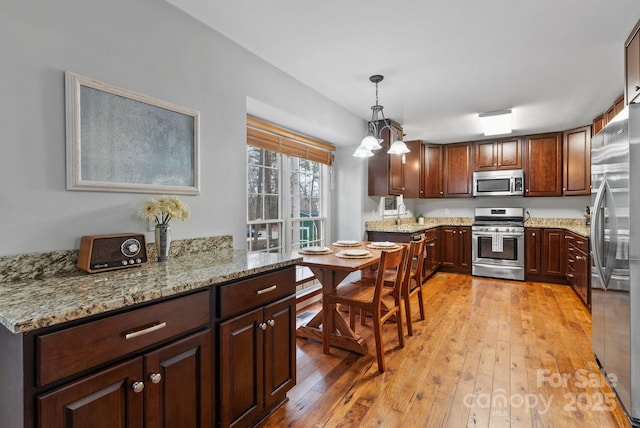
<point x="501" y="154"/>
<point x="431" y="185"/>
<point x="543" y="165"/>
<point x="458" y="170"/>
<point x="412" y="169"/>
<point x="632" y="65"/>
<point x="576" y="170"/>
<point x="386" y="172"/>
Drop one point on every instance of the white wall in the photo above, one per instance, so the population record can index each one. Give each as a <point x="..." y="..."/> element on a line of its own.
<point x="150" y="47"/>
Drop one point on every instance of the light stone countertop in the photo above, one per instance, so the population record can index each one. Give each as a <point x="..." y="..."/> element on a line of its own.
<point x="32" y="304"/>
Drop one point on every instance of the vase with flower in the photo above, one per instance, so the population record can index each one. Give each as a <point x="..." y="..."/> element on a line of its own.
<point x="162" y="210"/>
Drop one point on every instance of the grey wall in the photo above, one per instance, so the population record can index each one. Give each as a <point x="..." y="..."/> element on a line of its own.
<point x="150" y="47"/>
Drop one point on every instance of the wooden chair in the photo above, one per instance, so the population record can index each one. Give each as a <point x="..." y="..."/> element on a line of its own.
<point x="415" y="262"/>
<point x="360" y="295"/>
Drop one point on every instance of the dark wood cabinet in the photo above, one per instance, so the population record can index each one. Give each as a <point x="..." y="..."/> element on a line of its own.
<point x="385" y="171"/>
<point x="495" y="155"/>
<point x="458" y="170"/>
<point x="167" y="386"/>
<point x="532" y="251"/>
<point x="553" y="252"/>
<point x="543" y="165"/>
<point x="597" y="125"/>
<point x="413" y="170"/>
<point x="576" y="168"/>
<point x="577" y="265"/>
<point x="257" y="364"/>
<point x="632" y="65"/>
<point x="431" y="259"/>
<point x="455" y="248"/>
<point x="431" y="185"/>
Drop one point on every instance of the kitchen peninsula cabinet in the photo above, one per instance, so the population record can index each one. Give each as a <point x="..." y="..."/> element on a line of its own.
<point x="170" y="385"/>
<point x="386" y="172"/>
<point x="257" y="347"/>
<point x="497" y="155"/>
<point x="455" y="248"/>
<point x="543" y="165"/>
<point x="458" y="170"/>
<point x="431" y="184"/>
<point x="576" y="161"/>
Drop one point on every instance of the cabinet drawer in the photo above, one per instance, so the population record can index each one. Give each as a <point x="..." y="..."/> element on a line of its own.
<point x="581" y="243"/>
<point x="250" y="293"/>
<point x="73" y="350"/>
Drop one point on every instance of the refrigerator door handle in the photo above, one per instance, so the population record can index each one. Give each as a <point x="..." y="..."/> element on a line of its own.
<point x="597" y="232"/>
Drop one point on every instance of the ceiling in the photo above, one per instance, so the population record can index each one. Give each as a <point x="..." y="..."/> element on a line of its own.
<point x="556" y="63"/>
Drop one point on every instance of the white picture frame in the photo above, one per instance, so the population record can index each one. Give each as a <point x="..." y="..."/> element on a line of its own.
<point x="122" y="141"/>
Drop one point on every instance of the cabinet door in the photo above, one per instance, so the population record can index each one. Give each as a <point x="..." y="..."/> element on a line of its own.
<point x="577" y="161"/>
<point x="386" y="172"/>
<point x="553" y="252"/>
<point x="458" y="170"/>
<point x="431" y="258"/>
<point x="448" y="237"/>
<point x="103" y="400"/>
<point x="533" y="244"/>
<point x="412" y="170"/>
<point x="543" y="166"/>
<point x="581" y="276"/>
<point x="241" y="369"/>
<point x="486" y="158"/>
<point x="396" y="174"/>
<point x="464" y="249"/>
<point x="279" y="350"/>
<point x="178" y="383"/>
<point x="597" y="125"/>
<point x="509" y="153"/>
<point x="431" y="186"/>
<point x="632" y="66"/>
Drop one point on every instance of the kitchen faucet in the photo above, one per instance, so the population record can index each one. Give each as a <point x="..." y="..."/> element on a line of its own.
<point x="398" y="221"/>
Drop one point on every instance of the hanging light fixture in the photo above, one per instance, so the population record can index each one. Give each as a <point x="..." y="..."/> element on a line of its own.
<point x="372" y="140"/>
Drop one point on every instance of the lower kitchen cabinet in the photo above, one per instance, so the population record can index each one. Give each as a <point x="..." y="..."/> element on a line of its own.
<point x="532" y="251"/>
<point x="544" y="255"/>
<point x="169" y="387"/>
<point x="257" y="364"/>
<point x="577" y="266"/>
<point x="455" y="248"/>
<point x="431" y="259"/>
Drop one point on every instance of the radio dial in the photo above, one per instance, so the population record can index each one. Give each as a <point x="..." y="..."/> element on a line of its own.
<point x="130" y="247"/>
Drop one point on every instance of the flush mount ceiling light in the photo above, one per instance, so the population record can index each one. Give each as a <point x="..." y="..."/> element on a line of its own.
<point x="496" y="122"/>
<point x="372" y="140"/>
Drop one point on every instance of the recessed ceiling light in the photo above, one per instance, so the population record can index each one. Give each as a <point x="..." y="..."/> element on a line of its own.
<point x="496" y="122"/>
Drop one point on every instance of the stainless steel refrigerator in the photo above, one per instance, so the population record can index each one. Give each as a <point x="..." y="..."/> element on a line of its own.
<point x="615" y="255"/>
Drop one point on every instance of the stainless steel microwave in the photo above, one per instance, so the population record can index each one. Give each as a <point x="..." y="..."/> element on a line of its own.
<point x="498" y="183"/>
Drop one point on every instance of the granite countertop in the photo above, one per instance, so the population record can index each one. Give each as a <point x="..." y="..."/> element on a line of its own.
<point x="31" y="304"/>
<point x="410" y="225"/>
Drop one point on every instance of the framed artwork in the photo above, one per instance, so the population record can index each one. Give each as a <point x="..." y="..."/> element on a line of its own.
<point x="122" y="141"/>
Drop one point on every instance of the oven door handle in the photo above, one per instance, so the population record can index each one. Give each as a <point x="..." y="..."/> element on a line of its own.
<point x="504" y="235"/>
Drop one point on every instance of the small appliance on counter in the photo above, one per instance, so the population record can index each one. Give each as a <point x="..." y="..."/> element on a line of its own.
<point x="100" y="253"/>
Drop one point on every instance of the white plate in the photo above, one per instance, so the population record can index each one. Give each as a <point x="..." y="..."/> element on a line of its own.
<point x="356" y="253"/>
<point x="315" y="249"/>
<point x="347" y="242"/>
<point x="383" y="244"/>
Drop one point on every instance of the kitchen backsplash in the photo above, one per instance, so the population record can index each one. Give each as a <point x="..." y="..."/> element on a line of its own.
<point x="55" y="263"/>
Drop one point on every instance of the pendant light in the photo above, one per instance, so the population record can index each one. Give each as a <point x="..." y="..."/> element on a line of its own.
<point x="372" y="140"/>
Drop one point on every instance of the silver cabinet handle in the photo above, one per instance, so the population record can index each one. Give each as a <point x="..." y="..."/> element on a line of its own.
<point x="144" y="331"/>
<point x="137" y="386"/>
<point x="155" y="377"/>
<point x="262" y="326"/>
<point x="267" y="290"/>
<point x="271" y="323"/>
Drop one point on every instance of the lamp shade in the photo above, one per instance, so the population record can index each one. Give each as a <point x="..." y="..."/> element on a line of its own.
<point x="371" y="142"/>
<point x="398" y="148"/>
<point x="362" y="152"/>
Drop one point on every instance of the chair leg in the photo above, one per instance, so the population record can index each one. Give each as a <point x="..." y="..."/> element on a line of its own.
<point x="421" y="303"/>
<point x="399" y="323"/>
<point x="377" y="333"/>
<point x="407" y="311"/>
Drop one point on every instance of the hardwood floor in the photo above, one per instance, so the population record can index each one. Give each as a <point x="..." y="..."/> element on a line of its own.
<point x="491" y="353"/>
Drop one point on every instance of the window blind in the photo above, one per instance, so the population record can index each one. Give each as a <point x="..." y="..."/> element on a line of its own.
<point x="271" y="137"/>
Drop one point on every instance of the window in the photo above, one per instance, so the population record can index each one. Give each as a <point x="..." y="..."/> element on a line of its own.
<point x="287" y="190"/>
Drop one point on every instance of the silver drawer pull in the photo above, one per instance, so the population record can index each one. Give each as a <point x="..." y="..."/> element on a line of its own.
<point x="267" y="290"/>
<point x="145" y="330"/>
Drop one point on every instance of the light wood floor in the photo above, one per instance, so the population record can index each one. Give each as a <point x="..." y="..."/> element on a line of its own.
<point x="491" y="353"/>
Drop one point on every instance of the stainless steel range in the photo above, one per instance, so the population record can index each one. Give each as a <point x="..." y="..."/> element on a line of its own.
<point x="498" y="243"/>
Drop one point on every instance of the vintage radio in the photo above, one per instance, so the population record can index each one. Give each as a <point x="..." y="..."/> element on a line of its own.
<point x="100" y="253"/>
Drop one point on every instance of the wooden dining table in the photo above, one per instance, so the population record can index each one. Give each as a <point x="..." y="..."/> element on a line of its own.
<point x="330" y="270"/>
